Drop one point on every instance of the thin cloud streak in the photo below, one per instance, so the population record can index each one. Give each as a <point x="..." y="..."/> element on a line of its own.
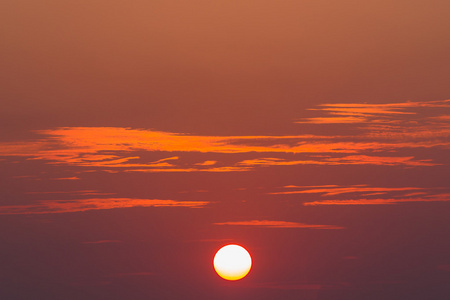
<point x="345" y="160"/>
<point x="331" y="191"/>
<point x="373" y="201"/>
<point x="67" y="178"/>
<point x="363" y="193"/>
<point x="278" y="224"/>
<point x="66" y="206"/>
<point x="188" y="170"/>
<point x="333" y="120"/>
<point x="81" y="192"/>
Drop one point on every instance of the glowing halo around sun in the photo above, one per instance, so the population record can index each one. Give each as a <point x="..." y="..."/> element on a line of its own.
<point x="232" y="262"/>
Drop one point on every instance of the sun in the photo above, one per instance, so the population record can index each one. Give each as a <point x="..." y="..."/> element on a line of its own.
<point x="232" y="262"/>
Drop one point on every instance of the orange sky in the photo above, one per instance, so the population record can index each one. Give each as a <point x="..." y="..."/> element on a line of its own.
<point x="137" y="138"/>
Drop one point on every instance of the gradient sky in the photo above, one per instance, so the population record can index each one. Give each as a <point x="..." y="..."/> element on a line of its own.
<point x="138" y="137"/>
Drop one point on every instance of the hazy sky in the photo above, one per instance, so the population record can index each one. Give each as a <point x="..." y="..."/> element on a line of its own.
<point x="138" y="137"/>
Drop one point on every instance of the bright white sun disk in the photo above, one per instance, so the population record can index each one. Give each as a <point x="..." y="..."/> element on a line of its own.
<point x="232" y="262"/>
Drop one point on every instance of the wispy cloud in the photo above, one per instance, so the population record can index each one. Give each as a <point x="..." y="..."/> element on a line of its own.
<point x="67" y="178"/>
<point x="279" y="224"/>
<point x="333" y="190"/>
<point x="207" y="163"/>
<point x="366" y="195"/>
<point x="378" y="201"/>
<point x="380" y="160"/>
<point x="409" y="161"/>
<point x="364" y="112"/>
<point x="81" y="192"/>
<point x="399" y="121"/>
<point x="333" y="120"/>
<point x="65" y="206"/>
<point x="382" y="134"/>
<point x="188" y="170"/>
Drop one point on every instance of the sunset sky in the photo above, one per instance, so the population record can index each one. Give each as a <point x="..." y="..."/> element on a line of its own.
<point x="138" y="137"/>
